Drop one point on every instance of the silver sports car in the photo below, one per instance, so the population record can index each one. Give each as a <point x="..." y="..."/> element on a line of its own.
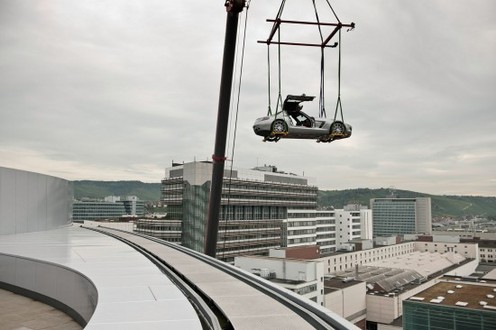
<point x="292" y="123"/>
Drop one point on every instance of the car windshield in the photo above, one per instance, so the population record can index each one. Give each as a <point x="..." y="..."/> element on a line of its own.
<point x="301" y="119"/>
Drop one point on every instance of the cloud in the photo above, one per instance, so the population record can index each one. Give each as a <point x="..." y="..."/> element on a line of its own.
<point x="119" y="89"/>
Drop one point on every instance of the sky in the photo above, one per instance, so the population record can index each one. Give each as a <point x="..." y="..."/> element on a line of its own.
<point x="120" y="89"/>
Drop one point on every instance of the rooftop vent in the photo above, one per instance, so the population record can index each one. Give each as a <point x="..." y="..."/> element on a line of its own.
<point x="348" y="279"/>
<point x="490" y="296"/>
<point x="436" y="301"/>
<point x="417" y="298"/>
<point x="450" y="291"/>
<point x="490" y="307"/>
<point x="494" y="290"/>
<point x="461" y="303"/>
<point x="459" y="286"/>
<point x="440" y="297"/>
<point x="483" y="303"/>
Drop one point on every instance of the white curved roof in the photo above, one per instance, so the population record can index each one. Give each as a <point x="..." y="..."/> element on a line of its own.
<point x="132" y="292"/>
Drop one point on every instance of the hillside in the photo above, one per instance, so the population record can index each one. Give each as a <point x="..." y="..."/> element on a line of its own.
<point x="101" y="189"/>
<point x="449" y="206"/>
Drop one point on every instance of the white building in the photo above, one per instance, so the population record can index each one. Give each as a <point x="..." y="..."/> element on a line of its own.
<point x="396" y="272"/>
<point x="305" y="277"/>
<point x="330" y="230"/>
<point x="347" y="299"/>
<point x="353" y="222"/>
<point x="342" y="261"/>
<point x="299" y="229"/>
<point x="486" y="242"/>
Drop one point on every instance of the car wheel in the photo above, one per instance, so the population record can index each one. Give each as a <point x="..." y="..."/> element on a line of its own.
<point x="338" y="128"/>
<point x="279" y="126"/>
<point x="272" y="138"/>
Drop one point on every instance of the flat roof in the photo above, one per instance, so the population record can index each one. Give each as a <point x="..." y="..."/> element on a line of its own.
<point x="275" y="259"/>
<point x="131" y="289"/>
<point x="333" y="284"/>
<point x="425" y="263"/>
<point x="491" y="275"/>
<point x="459" y="295"/>
<point x="133" y="293"/>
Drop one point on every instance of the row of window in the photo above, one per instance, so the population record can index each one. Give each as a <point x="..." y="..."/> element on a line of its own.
<point x="387" y="252"/>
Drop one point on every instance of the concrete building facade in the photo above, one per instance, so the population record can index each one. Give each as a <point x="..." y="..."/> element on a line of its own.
<point x="330" y="230"/>
<point x="253" y="206"/>
<point x="353" y="222"/>
<point x="342" y="261"/>
<point x="310" y="227"/>
<point x="347" y="299"/>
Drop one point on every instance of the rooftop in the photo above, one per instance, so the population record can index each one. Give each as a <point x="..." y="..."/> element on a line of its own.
<point x="333" y="284"/>
<point x="460" y="295"/>
<point x="425" y="263"/>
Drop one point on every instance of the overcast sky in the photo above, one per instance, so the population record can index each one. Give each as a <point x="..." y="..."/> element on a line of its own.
<point x="118" y="89"/>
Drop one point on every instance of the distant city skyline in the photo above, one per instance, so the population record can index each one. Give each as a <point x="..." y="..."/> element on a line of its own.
<point x="117" y="90"/>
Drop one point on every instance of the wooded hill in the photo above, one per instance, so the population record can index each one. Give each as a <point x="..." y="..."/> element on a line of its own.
<point x="450" y="206"/>
<point x="101" y="189"/>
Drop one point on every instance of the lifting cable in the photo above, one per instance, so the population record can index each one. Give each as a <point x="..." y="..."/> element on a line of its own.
<point x="322" y="111"/>
<point x="279" y="95"/>
<point x="279" y="70"/>
<point x="235" y="128"/>
<point x="339" y="106"/>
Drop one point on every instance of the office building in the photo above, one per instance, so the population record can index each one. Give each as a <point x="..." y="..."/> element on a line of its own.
<point x="253" y="206"/>
<point x="112" y="207"/>
<point x="399" y="216"/>
<point x="166" y="229"/>
<point x="331" y="230"/>
<point x="309" y="227"/>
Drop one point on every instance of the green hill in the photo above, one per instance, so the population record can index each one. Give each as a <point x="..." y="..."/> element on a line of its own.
<point x="442" y="206"/>
<point x="449" y="206"/>
<point x="101" y="189"/>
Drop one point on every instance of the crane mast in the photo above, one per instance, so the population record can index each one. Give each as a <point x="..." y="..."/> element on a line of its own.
<point x="233" y="8"/>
